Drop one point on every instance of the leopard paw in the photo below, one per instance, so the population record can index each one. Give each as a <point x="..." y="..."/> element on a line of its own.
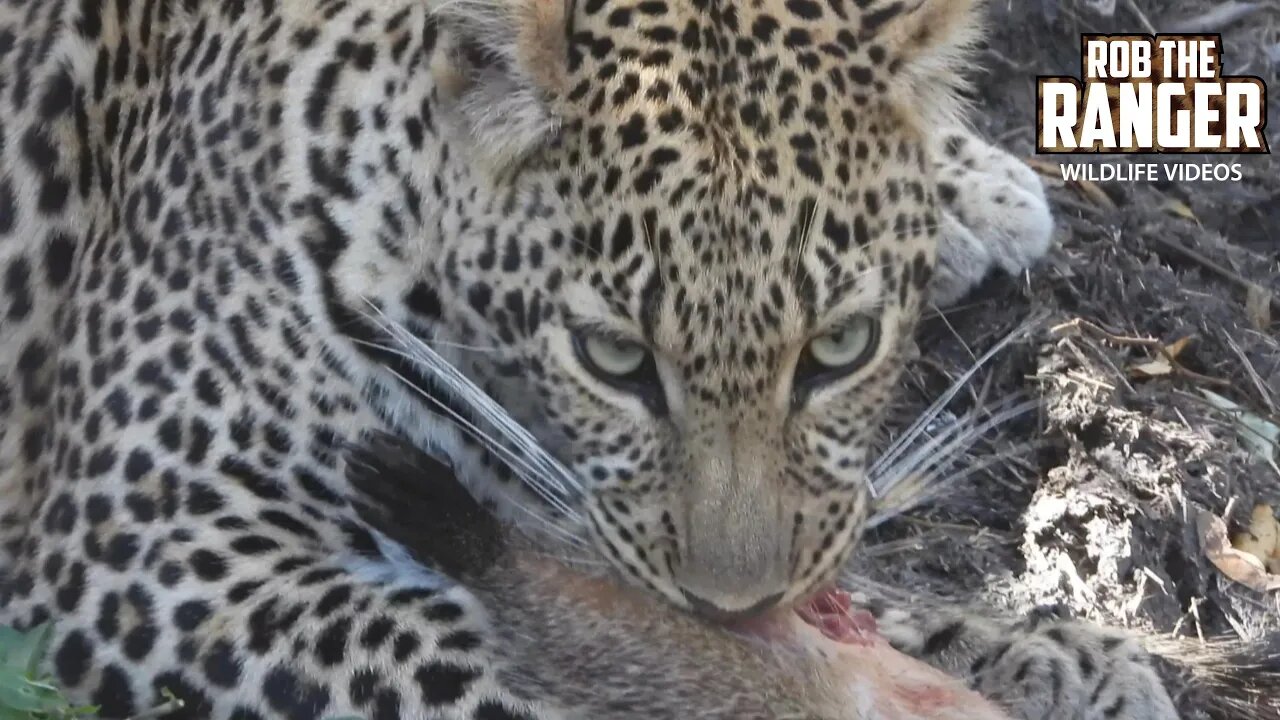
<point x="994" y="214"/>
<point x="1072" y="670"/>
<point x="1047" y="667"/>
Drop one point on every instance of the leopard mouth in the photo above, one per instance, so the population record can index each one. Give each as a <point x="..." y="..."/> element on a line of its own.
<point x="830" y="611"/>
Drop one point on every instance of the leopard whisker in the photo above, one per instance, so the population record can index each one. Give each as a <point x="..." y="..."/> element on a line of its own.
<point x="908" y="438"/>
<point x="515" y="462"/>
<point x="945" y="443"/>
<point x="425" y="357"/>
<point x="944" y="448"/>
<point x="524" y="463"/>
<point x="932" y="486"/>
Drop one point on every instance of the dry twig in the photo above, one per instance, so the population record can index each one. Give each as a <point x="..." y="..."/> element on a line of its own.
<point x="1083" y="324"/>
<point x="1160" y="348"/>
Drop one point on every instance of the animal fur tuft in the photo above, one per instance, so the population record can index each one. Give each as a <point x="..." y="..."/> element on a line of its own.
<point x="1229" y="679"/>
<point x="934" y="40"/>
<point x="511" y="57"/>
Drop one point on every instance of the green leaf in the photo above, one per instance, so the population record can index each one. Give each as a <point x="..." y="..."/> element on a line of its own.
<point x="11" y="714"/>
<point x="1260" y="438"/>
<point x="17" y="693"/>
<point x="9" y="640"/>
<point x="25" y="651"/>
<point x="36" y="648"/>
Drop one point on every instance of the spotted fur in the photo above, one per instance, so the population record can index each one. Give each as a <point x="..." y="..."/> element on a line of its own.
<point x="204" y="205"/>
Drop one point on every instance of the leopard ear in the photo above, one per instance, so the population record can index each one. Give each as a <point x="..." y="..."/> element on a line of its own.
<point x="928" y="45"/>
<point x="508" y="59"/>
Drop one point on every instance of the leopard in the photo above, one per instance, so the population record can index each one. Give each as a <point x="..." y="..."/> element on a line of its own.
<point x="683" y="243"/>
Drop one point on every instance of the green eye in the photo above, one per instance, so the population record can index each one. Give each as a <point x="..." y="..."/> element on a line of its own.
<point x="850" y="345"/>
<point x="834" y="355"/>
<point x="614" y="357"/>
<point x="623" y="364"/>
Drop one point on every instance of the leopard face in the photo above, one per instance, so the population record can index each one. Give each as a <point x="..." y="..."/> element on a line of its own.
<point x="726" y="223"/>
<point x="683" y="243"/>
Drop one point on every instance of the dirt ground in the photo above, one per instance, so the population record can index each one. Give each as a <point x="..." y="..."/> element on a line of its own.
<point x="1094" y="496"/>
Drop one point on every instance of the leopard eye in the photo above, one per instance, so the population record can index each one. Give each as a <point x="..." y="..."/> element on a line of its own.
<point x="845" y="346"/>
<point x="834" y="355"/>
<point x="624" y="364"/>
<point x="612" y="356"/>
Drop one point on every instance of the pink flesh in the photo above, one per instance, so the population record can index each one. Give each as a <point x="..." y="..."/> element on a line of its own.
<point x="901" y="688"/>
<point x="911" y="690"/>
<point x="831" y="611"/>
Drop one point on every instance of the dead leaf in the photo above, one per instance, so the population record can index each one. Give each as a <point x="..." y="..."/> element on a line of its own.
<point x="1053" y="172"/>
<point x="1045" y="168"/>
<point x="1096" y="194"/>
<point x="1174" y="349"/>
<point x="1163" y="362"/>
<point x="1158" y="367"/>
<point x="1260" y="538"/>
<point x="1238" y="566"/>
<point x="1180" y="209"/>
<point x="1257" y="304"/>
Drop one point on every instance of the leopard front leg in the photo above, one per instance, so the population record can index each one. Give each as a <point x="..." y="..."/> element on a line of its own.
<point x="994" y="213"/>
<point x="1045" y="667"/>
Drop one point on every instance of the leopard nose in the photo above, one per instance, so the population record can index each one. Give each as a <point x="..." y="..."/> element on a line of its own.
<point x="715" y="613"/>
